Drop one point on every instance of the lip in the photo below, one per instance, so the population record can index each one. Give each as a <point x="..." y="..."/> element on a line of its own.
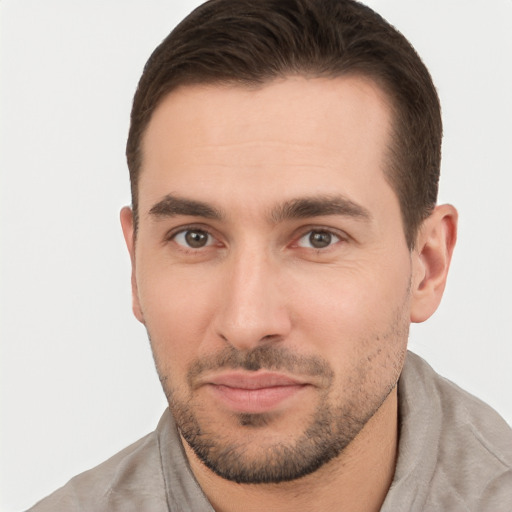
<point x="254" y="393"/>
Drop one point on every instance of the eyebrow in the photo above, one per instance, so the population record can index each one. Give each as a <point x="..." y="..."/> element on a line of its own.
<point x="298" y="208"/>
<point x="172" y="206"/>
<point x="317" y="206"/>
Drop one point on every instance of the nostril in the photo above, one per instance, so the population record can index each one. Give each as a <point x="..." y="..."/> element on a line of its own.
<point x="272" y="337"/>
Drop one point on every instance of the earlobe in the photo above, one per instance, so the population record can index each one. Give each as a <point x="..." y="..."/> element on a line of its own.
<point x="431" y="261"/>
<point x="129" y="237"/>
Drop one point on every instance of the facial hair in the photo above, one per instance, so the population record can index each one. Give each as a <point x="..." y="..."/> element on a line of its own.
<point x="329" y="429"/>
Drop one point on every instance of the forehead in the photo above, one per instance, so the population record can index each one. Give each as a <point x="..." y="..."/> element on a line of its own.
<point x="272" y="109"/>
<point x="278" y="140"/>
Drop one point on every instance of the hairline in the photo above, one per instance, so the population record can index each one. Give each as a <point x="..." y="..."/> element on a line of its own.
<point x="391" y="163"/>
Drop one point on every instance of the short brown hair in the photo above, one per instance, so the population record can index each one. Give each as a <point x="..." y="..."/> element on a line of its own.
<point x="250" y="42"/>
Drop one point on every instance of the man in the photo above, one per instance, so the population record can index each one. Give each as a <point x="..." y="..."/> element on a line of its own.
<point x="284" y="160"/>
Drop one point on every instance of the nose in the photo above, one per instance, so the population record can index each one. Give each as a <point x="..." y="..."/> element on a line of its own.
<point x="252" y="305"/>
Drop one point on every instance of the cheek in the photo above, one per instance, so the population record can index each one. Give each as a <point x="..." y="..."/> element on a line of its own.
<point x="361" y="327"/>
<point x="177" y="309"/>
<point x="346" y="309"/>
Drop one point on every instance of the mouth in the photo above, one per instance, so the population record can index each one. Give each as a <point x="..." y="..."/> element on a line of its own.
<point x="254" y="393"/>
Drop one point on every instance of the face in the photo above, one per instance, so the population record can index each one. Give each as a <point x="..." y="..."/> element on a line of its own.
<point x="271" y="270"/>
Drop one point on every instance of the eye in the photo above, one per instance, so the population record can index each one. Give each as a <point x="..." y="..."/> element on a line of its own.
<point x="318" y="239"/>
<point x="193" y="238"/>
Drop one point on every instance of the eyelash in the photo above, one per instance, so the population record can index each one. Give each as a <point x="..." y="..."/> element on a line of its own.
<point x="308" y="234"/>
<point x="307" y="231"/>
<point x="172" y="235"/>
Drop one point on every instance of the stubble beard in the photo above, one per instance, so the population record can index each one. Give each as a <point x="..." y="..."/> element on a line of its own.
<point x="330" y="429"/>
<point x="277" y="462"/>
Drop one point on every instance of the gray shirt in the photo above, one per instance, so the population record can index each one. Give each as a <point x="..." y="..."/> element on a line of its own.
<point x="455" y="454"/>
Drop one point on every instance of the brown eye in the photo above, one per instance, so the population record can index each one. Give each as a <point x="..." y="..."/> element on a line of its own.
<point x="193" y="238"/>
<point x="318" y="239"/>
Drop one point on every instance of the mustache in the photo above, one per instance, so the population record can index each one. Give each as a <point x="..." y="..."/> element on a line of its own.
<point x="265" y="357"/>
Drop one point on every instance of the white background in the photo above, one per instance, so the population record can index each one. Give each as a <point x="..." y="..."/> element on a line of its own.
<point x="77" y="378"/>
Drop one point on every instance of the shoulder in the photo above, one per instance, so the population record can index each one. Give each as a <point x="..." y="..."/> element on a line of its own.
<point x="473" y="445"/>
<point x="485" y="433"/>
<point x="130" y="480"/>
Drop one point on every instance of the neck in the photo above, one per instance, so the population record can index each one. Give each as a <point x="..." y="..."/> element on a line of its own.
<point x="356" y="481"/>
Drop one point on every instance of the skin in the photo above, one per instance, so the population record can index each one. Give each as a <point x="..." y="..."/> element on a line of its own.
<point x="238" y="160"/>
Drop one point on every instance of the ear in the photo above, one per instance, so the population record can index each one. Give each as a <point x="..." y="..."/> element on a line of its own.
<point x="129" y="236"/>
<point x="431" y="261"/>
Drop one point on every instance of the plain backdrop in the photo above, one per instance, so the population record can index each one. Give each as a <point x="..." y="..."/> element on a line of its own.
<point x="77" y="377"/>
